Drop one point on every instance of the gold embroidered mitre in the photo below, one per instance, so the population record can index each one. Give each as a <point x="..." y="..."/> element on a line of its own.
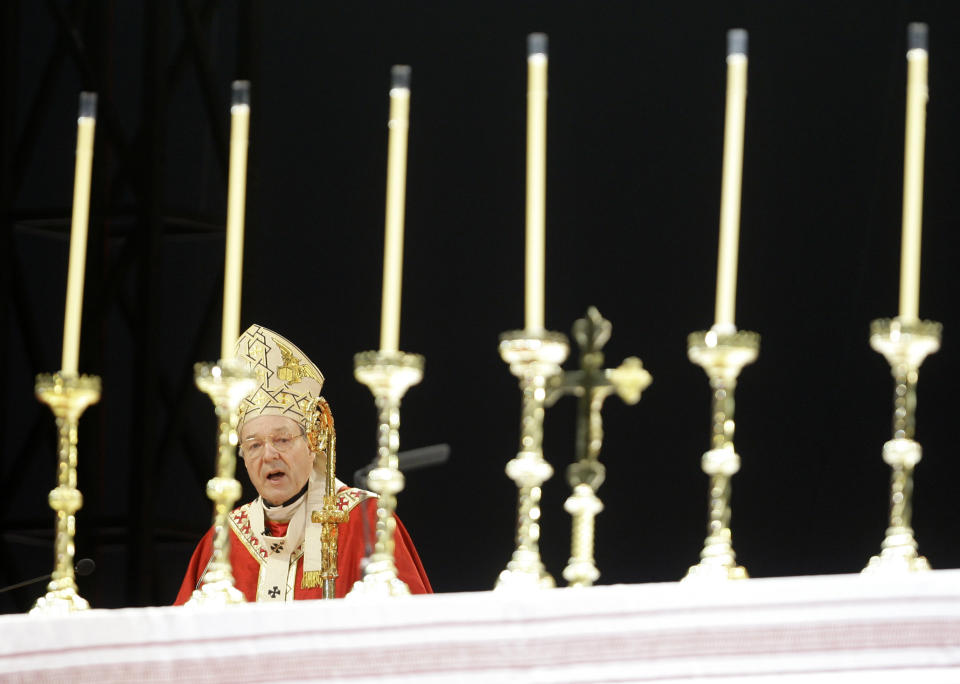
<point x="288" y="383"/>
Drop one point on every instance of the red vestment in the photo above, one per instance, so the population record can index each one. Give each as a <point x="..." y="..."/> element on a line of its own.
<point x="246" y="559"/>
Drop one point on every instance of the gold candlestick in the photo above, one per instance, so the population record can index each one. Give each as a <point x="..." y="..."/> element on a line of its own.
<point x="226" y="383"/>
<point x="68" y="396"/>
<point x="905" y="345"/>
<point x="388" y="375"/>
<point x="722" y="356"/>
<point x="592" y="384"/>
<point x="534" y="357"/>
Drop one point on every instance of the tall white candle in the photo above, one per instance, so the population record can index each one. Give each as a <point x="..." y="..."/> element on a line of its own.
<point x="236" y="204"/>
<point x="86" y="125"/>
<point x="913" y="172"/>
<point x="730" y="185"/>
<point x="536" y="180"/>
<point x="396" y="193"/>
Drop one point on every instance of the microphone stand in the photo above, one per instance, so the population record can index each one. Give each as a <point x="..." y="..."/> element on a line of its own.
<point x="83" y="568"/>
<point x="412" y="459"/>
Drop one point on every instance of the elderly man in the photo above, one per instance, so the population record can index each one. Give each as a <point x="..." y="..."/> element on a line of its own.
<point x="275" y="547"/>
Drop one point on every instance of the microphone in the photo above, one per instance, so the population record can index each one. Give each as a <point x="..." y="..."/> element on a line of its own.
<point x="412" y="459"/>
<point x="406" y="460"/>
<point x="83" y="568"/>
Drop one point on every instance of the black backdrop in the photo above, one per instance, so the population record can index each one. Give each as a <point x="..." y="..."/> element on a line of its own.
<point x="634" y="151"/>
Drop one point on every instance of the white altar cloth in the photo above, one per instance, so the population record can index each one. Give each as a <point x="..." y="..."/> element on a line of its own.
<point x="841" y="628"/>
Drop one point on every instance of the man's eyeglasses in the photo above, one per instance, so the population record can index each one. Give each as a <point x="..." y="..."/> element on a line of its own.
<point x="254" y="447"/>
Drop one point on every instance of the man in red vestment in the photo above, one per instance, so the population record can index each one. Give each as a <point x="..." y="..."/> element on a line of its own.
<point x="275" y="547"/>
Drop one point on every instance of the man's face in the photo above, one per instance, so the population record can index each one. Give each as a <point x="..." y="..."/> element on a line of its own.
<point x="277" y="457"/>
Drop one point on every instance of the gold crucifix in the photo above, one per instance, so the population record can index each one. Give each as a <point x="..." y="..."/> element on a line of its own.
<point x="592" y="384"/>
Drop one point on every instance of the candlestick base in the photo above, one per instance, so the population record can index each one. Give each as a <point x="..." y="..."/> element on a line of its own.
<point x="534" y="357"/>
<point x="898" y="555"/>
<point x="722" y="355"/>
<point x="388" y="375"/>
<point x="226" y="382"/>
<point x="718" y="559"/>
<point x="905" y="345"/>
<point x="379" y="581"/>
<point x="67" y="395"/>
<point x="61" y="601"/>
<point x="219" y="593"/>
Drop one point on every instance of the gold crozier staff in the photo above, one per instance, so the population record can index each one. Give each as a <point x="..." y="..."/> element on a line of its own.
<point x="323" y="440"/>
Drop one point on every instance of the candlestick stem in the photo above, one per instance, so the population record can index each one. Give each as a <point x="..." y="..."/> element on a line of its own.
<point x="226" y="383"/>
<point x="722" y="356"/>
<point x="905" y="345"/>
<point x="389" y="376"/>
<point x="534" y="357"/>
<point x="67" y="396"/>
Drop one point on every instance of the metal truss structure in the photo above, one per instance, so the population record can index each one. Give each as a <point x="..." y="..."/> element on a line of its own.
<point x="162" y="81"/>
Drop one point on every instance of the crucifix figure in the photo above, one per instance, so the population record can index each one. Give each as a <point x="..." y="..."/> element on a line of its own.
<point x="592" y="384"/>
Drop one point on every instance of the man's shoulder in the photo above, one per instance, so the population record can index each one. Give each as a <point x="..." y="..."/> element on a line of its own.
<point x="349" y="497"/>
<point x="242" y="528"/>
<point x="241" y="514"/>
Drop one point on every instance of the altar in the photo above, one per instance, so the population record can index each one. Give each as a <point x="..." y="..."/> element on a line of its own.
<point x="839" y="628"/>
